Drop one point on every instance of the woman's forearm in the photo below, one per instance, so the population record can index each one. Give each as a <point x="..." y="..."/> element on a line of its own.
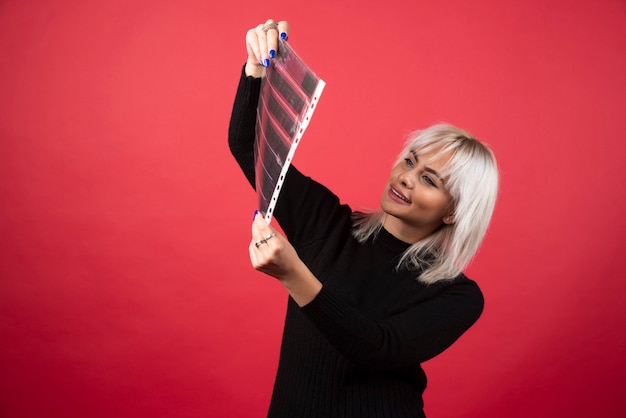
<point x="302" y="285"/>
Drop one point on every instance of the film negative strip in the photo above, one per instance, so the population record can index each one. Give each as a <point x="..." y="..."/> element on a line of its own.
<point x="289" y="95"/>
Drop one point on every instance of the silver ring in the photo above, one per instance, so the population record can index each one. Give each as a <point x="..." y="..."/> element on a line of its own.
<point x="269" y="26"/>
<point x="264" y="241"/>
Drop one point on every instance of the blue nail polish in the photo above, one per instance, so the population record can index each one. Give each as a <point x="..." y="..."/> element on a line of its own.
<point x="283" y="36"/>
<point x="272" y="53"/>
<point x="256" y="212"/>
<point x="266" y="63"/>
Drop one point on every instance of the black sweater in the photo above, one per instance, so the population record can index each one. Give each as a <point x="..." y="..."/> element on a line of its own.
<point x="356" y="349"/>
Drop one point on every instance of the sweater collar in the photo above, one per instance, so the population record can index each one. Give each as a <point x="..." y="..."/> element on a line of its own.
<point x="385" y="238"/>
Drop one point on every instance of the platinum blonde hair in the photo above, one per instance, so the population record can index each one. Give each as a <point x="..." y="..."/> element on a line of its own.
<point x="471" y="179"/>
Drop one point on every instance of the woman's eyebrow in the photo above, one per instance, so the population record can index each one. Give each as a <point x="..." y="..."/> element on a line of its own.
<point x="436" y="174"/>
<point x="430" y="170"/>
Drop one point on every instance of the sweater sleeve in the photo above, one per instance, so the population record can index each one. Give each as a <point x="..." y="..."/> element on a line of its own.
<point x="403" y="339"/>
<point x="241" y="131"/>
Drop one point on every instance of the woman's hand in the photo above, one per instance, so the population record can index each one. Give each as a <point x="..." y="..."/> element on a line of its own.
<point x="272" y="254"/>
<point x="262" y="45"/>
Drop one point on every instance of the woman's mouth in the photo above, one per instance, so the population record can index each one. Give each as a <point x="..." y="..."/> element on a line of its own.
<point x="396" y="195"/>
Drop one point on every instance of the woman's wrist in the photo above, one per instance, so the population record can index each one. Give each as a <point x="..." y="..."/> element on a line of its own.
<point x="301" y="284"/>
<point x="255" y="70"/>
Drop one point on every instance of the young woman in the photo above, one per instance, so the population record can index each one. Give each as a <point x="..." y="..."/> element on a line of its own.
<point x="372" y="295"/>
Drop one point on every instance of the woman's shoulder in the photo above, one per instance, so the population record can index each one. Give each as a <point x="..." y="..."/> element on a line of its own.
<point x="465" y="288"/>
<point x="461" y="281"/>
<point x="460" y="288"/>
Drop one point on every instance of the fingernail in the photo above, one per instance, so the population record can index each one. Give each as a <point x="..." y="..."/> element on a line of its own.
<point x="266" y="63"/>
<point x="272" y="53"/>
<point x="283" y="36"/>
<point x="256" y="212"/>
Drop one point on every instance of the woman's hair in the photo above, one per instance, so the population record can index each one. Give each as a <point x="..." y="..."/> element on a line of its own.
<point x="471" y="179"/>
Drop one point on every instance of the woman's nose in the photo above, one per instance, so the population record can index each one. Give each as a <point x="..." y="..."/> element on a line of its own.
<point x="406" y="178"/>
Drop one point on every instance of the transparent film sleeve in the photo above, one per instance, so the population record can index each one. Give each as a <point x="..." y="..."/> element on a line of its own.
<point x="289" y="94"/>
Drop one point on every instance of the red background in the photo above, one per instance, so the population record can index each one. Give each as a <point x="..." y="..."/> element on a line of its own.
<point x="125" y="287"/>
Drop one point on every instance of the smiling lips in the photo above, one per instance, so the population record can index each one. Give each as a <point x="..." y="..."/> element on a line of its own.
<point x="397" y="195"/>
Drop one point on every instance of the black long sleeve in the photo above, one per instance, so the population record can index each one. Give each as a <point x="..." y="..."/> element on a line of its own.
<point x="241" y="131"/>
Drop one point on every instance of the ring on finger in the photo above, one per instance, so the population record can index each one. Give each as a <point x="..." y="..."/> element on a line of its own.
<point x="269" y="26"/>
<point x="264" y="241"/>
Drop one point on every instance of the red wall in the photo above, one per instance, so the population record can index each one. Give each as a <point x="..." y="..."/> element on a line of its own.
<point x="125" y="288"/>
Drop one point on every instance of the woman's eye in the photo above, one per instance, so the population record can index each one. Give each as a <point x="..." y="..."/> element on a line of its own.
<point x="408" y="162"/>
<point x="429" y="181"/>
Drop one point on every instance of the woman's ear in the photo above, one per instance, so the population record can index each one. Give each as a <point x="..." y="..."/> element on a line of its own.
<point x="448" y="220"/>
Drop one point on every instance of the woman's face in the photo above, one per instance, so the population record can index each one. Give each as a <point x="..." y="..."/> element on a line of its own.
<point x="416" y="200"/>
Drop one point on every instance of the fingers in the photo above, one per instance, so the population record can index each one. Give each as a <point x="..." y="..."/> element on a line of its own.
<point x="262" y="232"/>
<point x="262" y="41"/>
<point x="283" y="30"/>
<point x="262" y="247"/>
<point x="274" y="31"/>
<point x="270" y="29"/>
<point x="269" y="236"/>
<point x="264" y="57"/>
